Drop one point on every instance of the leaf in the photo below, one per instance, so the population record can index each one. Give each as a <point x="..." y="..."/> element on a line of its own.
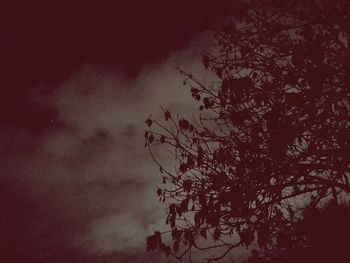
<point x="178" y="210"/>
<point x="188" y="235"/>
<point x="149" y="122"/>
<point x="217" y="234"/>
<point x="172" y="221"/>
<point x="194" y="92"/>
<point x="176" y="246"/>
<point x="207" y="103"/>
<point x="166" y="250"/>
<point x="150" y="139"/>
<point x="219" y="72"/>
<point x="205" y="61"/>
<point x="183" y="168"/>
<point x="263" y="236"/>
<point x="154" y="241"/>
<point x="172" y="209"/>
<point x="213" y="218"/>
<point x="247" y="236"/>
<point x="203" y="233"/>
<point x="184" y="205"/>
<point x="187" y="185"/>
<point x="167" y="115"/>
<point x="184" y="124"/>
<point x="197" y="219"/>
<point x="176" y="234"/>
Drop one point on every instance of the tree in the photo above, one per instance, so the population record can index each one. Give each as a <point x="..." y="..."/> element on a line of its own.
<point x="322" y="235"/>
<point x="272" y="137"/>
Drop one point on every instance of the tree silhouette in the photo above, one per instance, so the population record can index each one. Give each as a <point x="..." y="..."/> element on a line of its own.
<point x="272" y="136"/>
<point x="322" y="235"/>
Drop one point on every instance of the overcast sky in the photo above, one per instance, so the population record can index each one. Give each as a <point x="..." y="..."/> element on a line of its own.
<point x="78" y="81"/>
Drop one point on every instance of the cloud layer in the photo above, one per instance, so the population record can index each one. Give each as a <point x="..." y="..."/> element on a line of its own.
<point x="85" y="190"/>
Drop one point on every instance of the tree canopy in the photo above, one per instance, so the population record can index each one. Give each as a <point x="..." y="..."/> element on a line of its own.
<point x="271" y="140"/>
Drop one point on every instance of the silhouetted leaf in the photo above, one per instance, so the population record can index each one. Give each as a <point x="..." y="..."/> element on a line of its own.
<point x="187" y="185"/>
<point x="183" y="168"/>
<point x="184" y="124"/>
<point x="205" y="61"/>
<point x="167" y="115"/>
<point x="149" y="122"/>
<point x="217" y="234"/>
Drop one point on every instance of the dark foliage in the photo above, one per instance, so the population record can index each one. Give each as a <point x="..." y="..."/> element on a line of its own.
<point x="272" y="137"/>
<point x="321" y="236"/>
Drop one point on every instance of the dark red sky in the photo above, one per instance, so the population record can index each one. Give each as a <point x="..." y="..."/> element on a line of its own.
<point x="43" y="42"/>
<point x="77" y="80"/>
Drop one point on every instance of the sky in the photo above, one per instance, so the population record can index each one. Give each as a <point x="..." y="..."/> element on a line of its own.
<point x="78" y="80"/>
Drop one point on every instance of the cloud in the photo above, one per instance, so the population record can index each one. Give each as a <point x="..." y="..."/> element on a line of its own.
<point x="88" y="186"/>
<point x="109" y="233"/>
<point x="108" y="114"/>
